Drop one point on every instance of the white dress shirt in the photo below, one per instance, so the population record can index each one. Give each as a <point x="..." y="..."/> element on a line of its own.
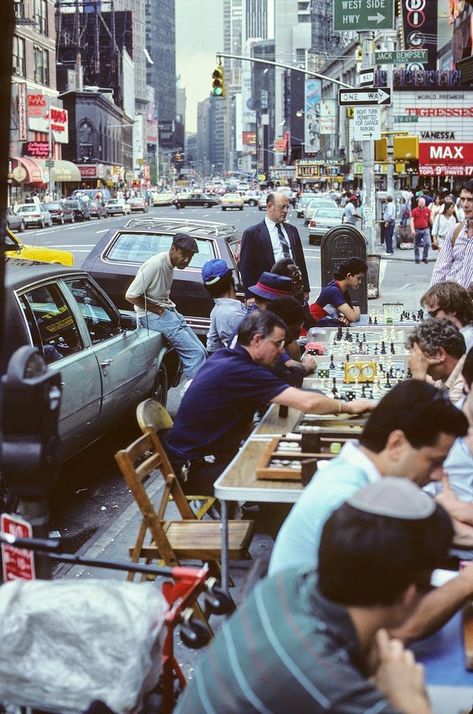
<point x="275" y="241"/>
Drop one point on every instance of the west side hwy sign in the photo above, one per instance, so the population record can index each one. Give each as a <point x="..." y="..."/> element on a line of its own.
<point x="363" y="15"/>
<point x="364" y="96"/>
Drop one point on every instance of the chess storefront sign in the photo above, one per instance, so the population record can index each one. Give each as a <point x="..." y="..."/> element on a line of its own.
<point x="39" y="149"/>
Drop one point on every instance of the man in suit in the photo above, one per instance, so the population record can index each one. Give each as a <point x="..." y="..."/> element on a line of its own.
<point x="269" y="241"/>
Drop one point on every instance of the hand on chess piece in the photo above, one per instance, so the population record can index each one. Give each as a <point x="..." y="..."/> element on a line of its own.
<point x="358" y="406"/>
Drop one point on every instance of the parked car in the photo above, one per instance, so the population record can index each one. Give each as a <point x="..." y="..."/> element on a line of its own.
<point x="292" y="196"/>
<point x="59" y="212"/>
<point x="262" y="201"/>
<point x="196" y="199"/>
<point x="35" y="214"/>
<point x="166" y="198"/>
<point x="80" y="208"/>
<point x="322" y="220"/>
<point x="115" y="260"/>
<point x="15" y="221"/>
<point x="232" y="200"/>
<point x="303" y="202"/>
<point x="14" y="248"/>
<point x="314" y="204"/>
<point x="97" y="209"/>
<point x="108" y="362"/>
<point x="138" y="203"/>
<point x="117" y="205"/>
<point x="251" y="197"/>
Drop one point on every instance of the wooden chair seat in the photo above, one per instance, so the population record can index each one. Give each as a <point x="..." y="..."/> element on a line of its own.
<point x="201" y="540"/>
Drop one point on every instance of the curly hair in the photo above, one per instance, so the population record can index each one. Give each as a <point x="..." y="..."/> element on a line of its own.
<point x="432" y="334"/>
<point x="452" y="298"/>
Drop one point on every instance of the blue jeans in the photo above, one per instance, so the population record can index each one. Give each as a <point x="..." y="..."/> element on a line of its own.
<point x="388" y="236"/>
<point x="177" y="332"/>
<point x="422" y="239"/>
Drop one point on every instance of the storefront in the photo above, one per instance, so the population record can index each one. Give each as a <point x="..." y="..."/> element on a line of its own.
<point x="25" y="177"/>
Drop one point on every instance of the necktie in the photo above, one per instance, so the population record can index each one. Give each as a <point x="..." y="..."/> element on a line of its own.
<point x="283" y="240"/>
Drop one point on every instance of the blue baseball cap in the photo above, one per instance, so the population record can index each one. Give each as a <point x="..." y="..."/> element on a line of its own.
<point x="214" y="270"/>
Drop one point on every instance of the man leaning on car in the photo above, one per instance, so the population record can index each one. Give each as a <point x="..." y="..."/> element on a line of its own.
<point x="149" y="293"/>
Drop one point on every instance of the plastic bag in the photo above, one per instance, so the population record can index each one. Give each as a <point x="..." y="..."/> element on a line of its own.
<point x="67" y="643"/>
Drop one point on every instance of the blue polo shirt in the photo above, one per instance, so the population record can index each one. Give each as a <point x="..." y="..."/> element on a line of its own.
<point x="219" y="405"/>
<point x="329" y="300"/>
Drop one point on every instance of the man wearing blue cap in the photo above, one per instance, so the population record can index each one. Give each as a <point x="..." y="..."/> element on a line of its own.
<point x="228" y="311"/>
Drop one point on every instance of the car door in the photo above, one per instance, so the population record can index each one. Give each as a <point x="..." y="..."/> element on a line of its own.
<point x="127" y="370"/>
<point x="56" y="333"/>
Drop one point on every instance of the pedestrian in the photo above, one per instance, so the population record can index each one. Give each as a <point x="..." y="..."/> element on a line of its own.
<point x="455" y="259"/>
<point x="149" y="293"/>
<point x="334" y="306"/>
<point x="267" y="242"/>
<point x="443" y="222"/>
<point x="350" y="214"/>
<point x="319" y="643"/>
<point x="228" y="312"/>
<point x="420" y="231"/>
<point x="389" y="218"/>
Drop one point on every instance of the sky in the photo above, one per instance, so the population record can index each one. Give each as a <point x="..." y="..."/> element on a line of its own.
<point x="199" y="35"/>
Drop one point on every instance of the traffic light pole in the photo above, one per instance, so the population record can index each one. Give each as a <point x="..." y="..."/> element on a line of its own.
<point x="369" y="203"/>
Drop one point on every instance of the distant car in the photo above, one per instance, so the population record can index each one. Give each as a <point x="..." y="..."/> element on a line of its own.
<point x="232" y="200"/>
<point x="166" y="198"/>
<point x="251" y="198"/>
<point x="303" y="202"/>
<point x="314" y="204"/>
<point x="137" y="203"/>
<point x="117" y="205"/>
<point x="97" y="209"/>
<point x="59" y="213"/>
<point x="289" y="193"/>
<point x="196" y="199"/>
<point x="15" y="221"/>
<point x="34" y="214"/>
<point x="262" y="201"/>
<point x="323" y="219"/>
<point x="14" y="248"/>
<point x="117" y="256"/>
<point x="79" y="207"/>
<point x="108" y="363"/>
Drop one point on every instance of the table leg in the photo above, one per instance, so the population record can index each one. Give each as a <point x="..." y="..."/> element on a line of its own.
<point x="224" y="537"/>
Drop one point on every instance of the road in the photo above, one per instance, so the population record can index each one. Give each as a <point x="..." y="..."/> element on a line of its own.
<point x="91" y="491"/>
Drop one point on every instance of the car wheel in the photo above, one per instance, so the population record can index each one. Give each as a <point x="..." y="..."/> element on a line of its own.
<point x="61" y="220"/>
<point x="72" y="219"/>
<point x="241" y="208"/>
<point x="42" y="224"/>
<point x="252" y="203"/>
<point x="205" y="205"/>
<point x="223" y="209"/>
<point x="160" y="387"/>
<point x="21" y="227"/>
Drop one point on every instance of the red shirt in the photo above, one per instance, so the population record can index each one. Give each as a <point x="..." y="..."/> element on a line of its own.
<point x="421" y="217"/>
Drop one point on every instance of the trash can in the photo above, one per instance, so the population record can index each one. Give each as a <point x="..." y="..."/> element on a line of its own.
<point x="372" y="276"/>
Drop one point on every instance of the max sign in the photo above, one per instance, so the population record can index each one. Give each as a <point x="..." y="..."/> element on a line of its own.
<point x="445" y="153"/>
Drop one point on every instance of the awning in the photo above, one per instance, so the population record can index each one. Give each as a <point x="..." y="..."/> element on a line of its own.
<point x="64" y="171"/>
<point x="26" y="170"/>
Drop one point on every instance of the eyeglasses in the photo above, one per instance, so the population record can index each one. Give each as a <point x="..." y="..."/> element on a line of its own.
<point x="283" y="207"/>
<point x="434" y="313"/>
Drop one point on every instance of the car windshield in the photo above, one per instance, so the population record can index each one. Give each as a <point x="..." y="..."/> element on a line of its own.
<point x="53" y="206"/>
<point x="328" y="212"/>
<point x="71" y="204"/>
<point x="138" y="247"/>
<point x="28" y="209"/>
<point x="318" y="204"/>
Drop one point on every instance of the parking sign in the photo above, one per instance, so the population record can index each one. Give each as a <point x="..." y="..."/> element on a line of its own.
<point x="17" y="563"/>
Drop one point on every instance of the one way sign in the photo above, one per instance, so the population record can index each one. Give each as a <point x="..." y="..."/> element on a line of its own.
<point x="364" y="96"/>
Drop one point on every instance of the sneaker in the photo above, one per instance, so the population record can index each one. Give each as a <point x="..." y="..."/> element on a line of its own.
<point x="386" y="253"/>
<point x="417" y="261"/>
<point x="424" y="260"/>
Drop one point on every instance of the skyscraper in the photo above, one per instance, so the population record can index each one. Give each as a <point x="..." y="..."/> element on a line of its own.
<point x="161" y="47"/>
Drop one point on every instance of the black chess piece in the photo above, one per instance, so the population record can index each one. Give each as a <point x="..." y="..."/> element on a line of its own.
<point x="347" y="357"/>
<point x="393" y="351"/>
<point x="332" y="363"/>
<point x="370" y="321"/>
<point x="375" y="320"/>
<point x="383" y="348"/>
<point x="339" y="334"/>
<point x="376" y="348"/>
<point x="402" y="317"/>
<point x="371" y="394"/>
<point x="364" y="336"/>
<point x="363" y="391"/>
<point x="334" y="388"/>
<point x="420" y="314"/>
<point x="388" y="383"/>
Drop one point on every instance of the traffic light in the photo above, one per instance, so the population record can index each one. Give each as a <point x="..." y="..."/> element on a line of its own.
<point x="406" y="147"/>
<point x="381" y="149"/>
<point x="177" y="158"/>
<point x="218" y="82"/>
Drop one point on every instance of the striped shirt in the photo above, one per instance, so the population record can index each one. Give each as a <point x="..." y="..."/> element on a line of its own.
<point x="286" y="649"/>
<point x="455" y="262"/>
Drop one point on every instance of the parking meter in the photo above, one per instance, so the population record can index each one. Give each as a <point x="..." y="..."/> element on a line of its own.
<point x="31" y="448"/>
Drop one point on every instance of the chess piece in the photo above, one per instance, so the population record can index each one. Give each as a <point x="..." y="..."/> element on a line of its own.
<point x="370" y="321"/>
<point x="347" y="356"/>
<point x="332" y="363"/>
<point x="393" y="351"/>
<point x="383" y="348"/>
<point x="371" y="394"/>
<point x="375" y="320"/>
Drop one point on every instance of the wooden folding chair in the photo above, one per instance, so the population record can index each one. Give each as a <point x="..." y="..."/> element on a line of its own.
<point x="151" y="414"/>
<point x="172" y="541"/>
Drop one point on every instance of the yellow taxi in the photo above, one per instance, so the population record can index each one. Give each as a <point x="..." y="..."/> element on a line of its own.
<point x="232" y="200"/>
<point x="16" y="249"/>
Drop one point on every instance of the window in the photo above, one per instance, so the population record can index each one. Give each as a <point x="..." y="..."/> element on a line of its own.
<point x="40" y="16"/>
<point x="19" y="9"/>
<point x="102" y="322"/>
<point x="51" y="323"/>
<point x="41" y="65"/>
<point x="138" y="247"/>
<point x="18" y="48"/>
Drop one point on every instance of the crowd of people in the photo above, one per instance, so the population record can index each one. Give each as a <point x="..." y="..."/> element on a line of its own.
<point x="329" y="633"/>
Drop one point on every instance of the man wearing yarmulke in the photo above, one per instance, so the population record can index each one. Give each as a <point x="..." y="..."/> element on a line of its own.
<point x="318" y="642"/>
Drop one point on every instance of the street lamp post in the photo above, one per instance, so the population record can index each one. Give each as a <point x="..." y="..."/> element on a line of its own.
<point x="50" y="161"/>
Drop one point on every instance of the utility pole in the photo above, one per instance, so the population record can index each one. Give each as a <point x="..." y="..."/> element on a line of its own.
<point x="368" y="156"/>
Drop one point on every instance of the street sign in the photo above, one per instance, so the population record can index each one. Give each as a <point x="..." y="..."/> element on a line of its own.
<point x="17" y="563"/>
<point x="363" y="15"/>
<point x="49" y="163"/>
<point x="366" y="77"/>
<point x="367" y="123"/>
<point x="365" y="96"/>
<point x="401" y="56"/>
